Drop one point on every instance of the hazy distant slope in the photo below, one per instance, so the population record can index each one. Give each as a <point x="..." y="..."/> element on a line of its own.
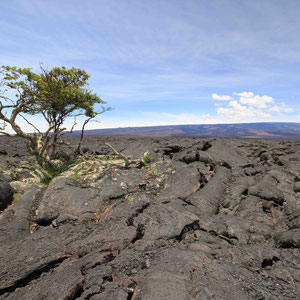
<point x="245" y="130"/>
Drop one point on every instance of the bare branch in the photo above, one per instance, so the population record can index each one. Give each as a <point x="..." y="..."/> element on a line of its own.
<point x="127" y="162"/>
<point x="6" y="106"/>
<point x="75" y="123"/>
<point x="14" y="125"/>
<point x="5" y="98"/>
<point x="45" y="116"/>
<point x="6" y="133"/>
<point x="48" y="131"/>
<point x="73" y="126"/>
<point x="3" y="126"/>
<point x="3" y="117"/>
<point x="104" y="109"/>
<point x="81" y="135"/>
<point x="30" y="123"/>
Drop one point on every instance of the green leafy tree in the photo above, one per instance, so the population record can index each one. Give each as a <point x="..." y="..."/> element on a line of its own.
<point x="55" y="95"/>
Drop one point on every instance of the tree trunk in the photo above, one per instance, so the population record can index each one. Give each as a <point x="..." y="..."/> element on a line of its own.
<point x="36" y="147"/>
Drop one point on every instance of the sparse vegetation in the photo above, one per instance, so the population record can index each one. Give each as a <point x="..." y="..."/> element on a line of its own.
<point x="104" y="157"/>
<point x="72" y="161"/>
<point x="16" y="197"/>
<point x="75" y="175"/>
<point x="129" y="198"/>
<point x="151" y="170"/>
<point x="103" y="209"/>
<point x="52" y="174"/>
<point x="149" y="157"/>
<point x="159" y="198"/>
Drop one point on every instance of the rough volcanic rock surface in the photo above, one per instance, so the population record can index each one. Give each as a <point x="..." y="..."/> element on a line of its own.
<point x="6" y="194"/>
<point x="206" y="219"/>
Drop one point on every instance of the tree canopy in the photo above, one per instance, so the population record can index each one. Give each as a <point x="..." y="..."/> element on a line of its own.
<point x="55" y="95"/>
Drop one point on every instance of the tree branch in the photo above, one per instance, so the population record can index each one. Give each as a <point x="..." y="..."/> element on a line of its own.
<point x="81" y="135"/>
<point x="6" y="133"/>
<point x="14" y="125"/>
<point x="104" y="109"/>
<point x="30" y="123"/>
<point x="72" y="128"/>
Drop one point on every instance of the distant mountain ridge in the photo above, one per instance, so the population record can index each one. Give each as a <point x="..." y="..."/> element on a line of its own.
<point x="243" y="130"/>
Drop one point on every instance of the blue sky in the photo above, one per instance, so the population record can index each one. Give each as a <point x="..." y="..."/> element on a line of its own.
<point x="159" y="62"/>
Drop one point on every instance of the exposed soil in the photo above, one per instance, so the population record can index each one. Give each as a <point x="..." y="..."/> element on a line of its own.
<point x="205" y="219"/>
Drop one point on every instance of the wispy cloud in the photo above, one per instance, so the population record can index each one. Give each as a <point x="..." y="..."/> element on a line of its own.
<point x="172" y="119"/>
<point x="220" y="97"/>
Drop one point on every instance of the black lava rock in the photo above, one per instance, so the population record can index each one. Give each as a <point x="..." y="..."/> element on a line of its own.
<point x="6" y="194"/>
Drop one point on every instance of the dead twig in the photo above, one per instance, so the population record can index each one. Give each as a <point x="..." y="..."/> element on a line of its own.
<point x="119" y="154"/>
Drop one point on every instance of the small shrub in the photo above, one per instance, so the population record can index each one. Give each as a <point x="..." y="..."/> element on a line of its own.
<point x="148" y="158"/>
<point x="52" y="174"/>
<point x="72" y="161"/>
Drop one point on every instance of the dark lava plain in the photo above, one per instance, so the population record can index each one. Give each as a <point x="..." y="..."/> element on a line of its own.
<point x="206" y="219"/>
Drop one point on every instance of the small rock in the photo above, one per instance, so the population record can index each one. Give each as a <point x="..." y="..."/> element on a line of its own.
<point x="4" y="177"/>
<point x="281" y="161"/>
<point x="3" y="152"/>
<point x="198" y="234"/>
<point x="266" y="189"/>
<point x="147" y="263"/>
<point x="265" y="156"/>
<point x="297" y="187"/>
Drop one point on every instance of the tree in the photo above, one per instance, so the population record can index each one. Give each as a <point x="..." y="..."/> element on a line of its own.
<point x="55" y="95"/>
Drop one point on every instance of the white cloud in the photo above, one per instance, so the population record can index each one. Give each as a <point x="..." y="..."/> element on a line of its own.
<point x="281" y="108"/>
<point x="257" y="101"/>
<point x="221" y="97"/>
<point x="251" y="106"/>
<point x="237" y="112"/>
<point x="254" y="100"/>
<point x="244" y="94"/>
<point x="274" y="109"/>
